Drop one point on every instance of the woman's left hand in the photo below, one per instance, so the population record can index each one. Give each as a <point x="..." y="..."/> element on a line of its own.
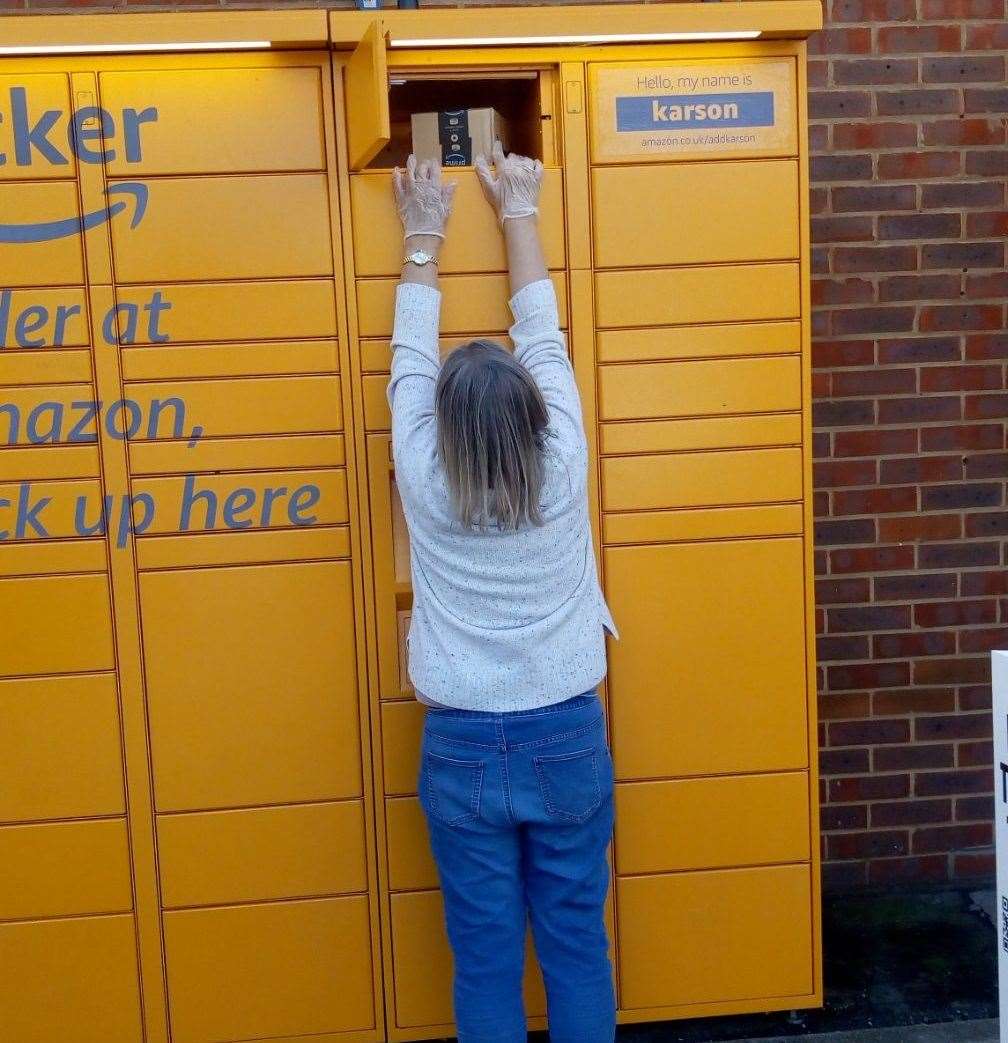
<point x="423" y="199"/>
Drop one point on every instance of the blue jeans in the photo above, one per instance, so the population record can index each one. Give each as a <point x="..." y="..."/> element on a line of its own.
<point x="519" y="809"/>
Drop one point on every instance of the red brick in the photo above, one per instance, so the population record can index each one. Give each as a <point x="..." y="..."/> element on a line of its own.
<point x="964" y="132"/>
<point x="929" y="868"/>
<point x="843" y="816"/>
<point x="919" y="349"/>
<point x="841" y="41"/>
<point x="913" y="700"/>
<point x="840" y="706"/>
<point x="987" y="285"/>
<point x="891" y="499"/>
<point x="955" y="613"/>
<point x="833" y="353"/>
<point x="855" y="167"/>
<point x="872" y="559"/>
<point x="841" y="591"/>
<point x="952" y="726"/>
<point x="969" y="754"/>
<point x="917" y="102"/>
<point x="873" y="10"/>
<point x="839" y="414"/>
<point x="969" y="867"/>
<point x="937" y="10"/>
<point x="915" y="586"/>
<point x="920" y="39"/>
<point x="987" y="523"/>
<point x="919" y="226"/>
<point x="962" y="255"/>
<point x="961" y="378"/>
<point x="914" y="166"/>
<point x="875" y="731"/>
<point x="951" y="838"/>
<point x="918" y="288"/>
<point x="987" y="225"/>
<point x="875" y="259"/>
<point x="842" y="761"/>
<point x="962" y="436"/>
<point x="933" y="408"/>
<point x="885" y="381"/>
<point x="910" y="813"/>
<point x="978" y="584"/>
<point x="834" y="104"/>
<point x="855" y="676"/>
<point x="940" y="318"/>
<point x="875" y="441"/>
<point x="874" y="71"/>
<point x="962" y="496"/>
<point x="915" y="528"/>
<point x="833" y="474"/>
<point x="959" y="194"/>
<point x="921" y="469"/>
<point x="833" y="229"/>
<point x="868" y="787"/>
<point x="985" y="99"/>
<point x="871" y="845"/>
<point x="986" y="407"/>
<point x="873" y="198"/>
<point x="842" y="876"/>
<point x="913" y="643"/>
<point x="912" y="757"/>
<point x="876" y="135"/>
<point x="975" y="697"/>
<point x="983" y="640"/>
<point x="964" y="69"/>
<point x="975" y="809"/>
<point x="992" y="37"/>
<point x="946" y="783"/>
<point x="965" y="555"/>
<point x="987" y="162"/>
<point x="885" y="320"/>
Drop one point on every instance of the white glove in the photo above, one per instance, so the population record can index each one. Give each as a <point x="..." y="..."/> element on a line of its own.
<point x="423" y="200"/>
<point x="512" y="187"/>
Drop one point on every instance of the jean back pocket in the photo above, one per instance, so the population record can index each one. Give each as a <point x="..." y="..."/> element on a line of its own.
<point x="451" y="788"/>
<point x="571" y="783"/>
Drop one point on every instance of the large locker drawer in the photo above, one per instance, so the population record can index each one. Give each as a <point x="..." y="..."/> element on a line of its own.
<point x="423" y="964"/>
<point x="715" y="293"/>
<point x="695" y="213"/>
<point x="70" y="979"/>
<point x="711" y="432"/>
<point x="255" y="854"/>
<point x="60" y="752"/>
<point x="64" y="869"/>
<point x="285" y="968"/>
<point x="742" y="820"/>
<point x="42" y="318"/>
<point x="55" y="261"/>
<point x="718" y="477"/>
<point x="709" y="937"/>
<point x="469" y="304"/>
<point x="705" y="387"/>
<point x="251" y="684"/>
<point x="474" y="243"/>
<point x="680" y="342"/>
<point x="709" y="674"/>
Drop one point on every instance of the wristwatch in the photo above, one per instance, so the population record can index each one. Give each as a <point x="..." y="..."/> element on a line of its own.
<point x="420" y="257"/>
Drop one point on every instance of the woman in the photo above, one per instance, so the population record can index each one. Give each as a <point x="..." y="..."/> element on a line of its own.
<point x="506" y="643"/>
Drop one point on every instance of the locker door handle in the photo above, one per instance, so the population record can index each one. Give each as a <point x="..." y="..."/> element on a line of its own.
<point x="574" y="96"/>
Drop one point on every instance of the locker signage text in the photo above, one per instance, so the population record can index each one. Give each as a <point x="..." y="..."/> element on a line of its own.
<point x="670" y="111"/>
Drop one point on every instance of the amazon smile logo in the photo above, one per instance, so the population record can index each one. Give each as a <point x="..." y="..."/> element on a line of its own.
<point x="93" y="135"/>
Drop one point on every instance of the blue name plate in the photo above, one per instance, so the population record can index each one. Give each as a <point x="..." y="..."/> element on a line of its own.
<point x="681" y="111"/>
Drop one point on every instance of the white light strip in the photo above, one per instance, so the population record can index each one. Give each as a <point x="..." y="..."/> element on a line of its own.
<point x="125" y="48"/>
<point x="510" y="41"/>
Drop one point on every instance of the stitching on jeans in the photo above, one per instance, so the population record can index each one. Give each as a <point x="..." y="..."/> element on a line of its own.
<point x="551" y="808"/>
<point x="474" y="799"/>
<point x="536" y="744"/>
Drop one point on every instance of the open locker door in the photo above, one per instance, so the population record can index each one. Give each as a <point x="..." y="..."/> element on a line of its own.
<point x="367" y="102"/>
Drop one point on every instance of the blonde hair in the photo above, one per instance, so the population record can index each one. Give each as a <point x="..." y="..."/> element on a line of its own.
<point x="491" y="433"/>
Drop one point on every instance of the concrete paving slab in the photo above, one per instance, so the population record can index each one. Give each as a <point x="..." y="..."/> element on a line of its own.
<point x="951" y="1032"/>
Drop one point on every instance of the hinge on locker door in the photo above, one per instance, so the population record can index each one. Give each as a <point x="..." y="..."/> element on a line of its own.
<point x="574" y="96"/>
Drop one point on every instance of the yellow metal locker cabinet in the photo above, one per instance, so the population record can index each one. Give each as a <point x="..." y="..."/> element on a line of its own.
<point x="208" y="820"/>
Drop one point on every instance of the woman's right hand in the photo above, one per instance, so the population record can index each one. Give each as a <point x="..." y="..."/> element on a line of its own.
<point x="512" y="186"/>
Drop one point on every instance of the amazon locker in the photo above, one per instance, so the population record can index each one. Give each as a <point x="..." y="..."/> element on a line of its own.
<point x="209" y="828"/>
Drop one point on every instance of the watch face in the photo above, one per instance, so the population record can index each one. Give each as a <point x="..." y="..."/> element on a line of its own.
<point x="420" y="257"/>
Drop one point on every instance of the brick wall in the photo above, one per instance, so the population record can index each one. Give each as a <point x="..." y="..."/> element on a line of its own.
<point x="908" y="109"/>
<point x="908" y="112"/>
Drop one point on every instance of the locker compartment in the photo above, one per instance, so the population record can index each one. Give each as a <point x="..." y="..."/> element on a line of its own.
<point x="36" y="463"/>
<point x="159" y="456"/>
<point x="712" y="523"/>
<point x="695" y="213"/>
<point x="284" y="309"/>
<point x="738" y="934"/>
<point x="422" y="964"/>
<point x="55" y="624"/>
<point x="59" y="748"/>
<point x="48" y="414"/>
<point x="712" y="823"/>
<point x="64" y="869"/>
<point x="43" y="91"/>
<point x="252" y="119"/>
<point x="468" y="303"/>
<point x="701" y="479"/>
<point x="402" y="728"/>
<point x="243" y="548"/>
<point x="260" y="505"/>
<point x="240" y="406"/>
<point x="45" y="318"/>
<point x="229" y="360"/>
<point x="47" y="557"/>
<point x="695" y="687"/>
<point x="675" y="342"/>
<point x="639" y="391"/>
<point x="716" y="293"/>
<point x="216" y="857"/>
<point x="40" y="260"/>
<point x="411" y="865"/>
<point x="523" y="97"/>
<point x="45" y="366"/>
<point x="287" y="969"/>
<point x="70" y="979"/>
<point x="474" y="243"/>
<point x="227" y="228"/>
<point x="251" y="685"/>
<point x="58" y="517"/>
<point x="670" y="436"/>
<point x="376" y="355"/>
<point x="641" y="110"/>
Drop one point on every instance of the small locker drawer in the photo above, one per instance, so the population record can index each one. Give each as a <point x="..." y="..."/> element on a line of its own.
<point x="709" y="674"/>
<point x="718" y="477"/>
<point x="411" y="865"/>
<point x="715" y="937"/>
<point x="744" y="820"/>
<point x="255" y="854"/>
<point x="695" y="213"/>
<point x="49" y="261"/>
<point x="715" y="340"/>
<point x="474" y="243"/>
<point x="704" y="387"/>
<point x="715" y="293"/>
<point x="402" y="731"/>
